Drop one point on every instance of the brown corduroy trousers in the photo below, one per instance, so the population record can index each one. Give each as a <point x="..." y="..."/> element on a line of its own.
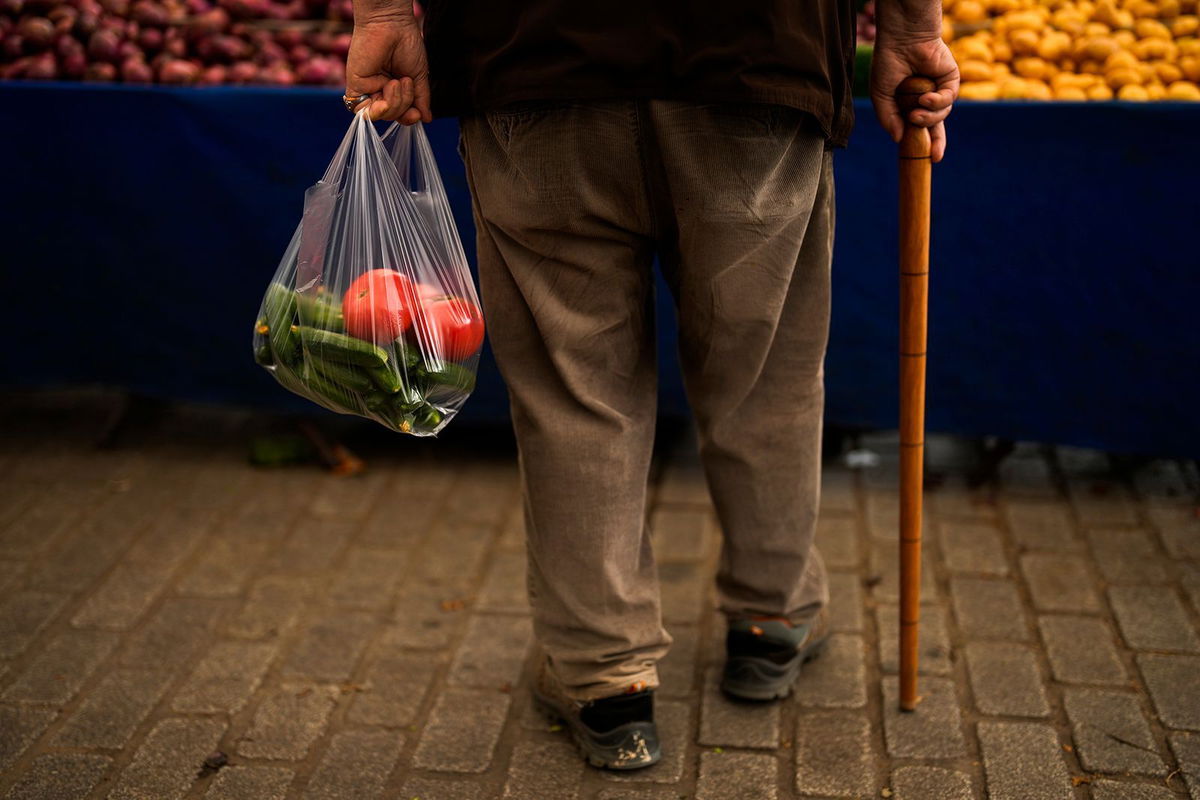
<point x="572" y="202"/>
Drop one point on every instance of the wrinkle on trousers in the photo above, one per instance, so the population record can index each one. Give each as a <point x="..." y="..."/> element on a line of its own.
<point x="572" y="202"/>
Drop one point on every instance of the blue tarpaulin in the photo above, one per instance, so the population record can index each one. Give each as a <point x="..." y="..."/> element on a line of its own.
<point x="141" y="225"/>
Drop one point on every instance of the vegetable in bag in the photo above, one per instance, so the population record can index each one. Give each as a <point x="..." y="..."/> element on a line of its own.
<point x="372" y="310"/>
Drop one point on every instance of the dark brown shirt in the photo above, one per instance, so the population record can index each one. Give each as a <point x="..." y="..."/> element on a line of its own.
<point x="484" y="54"/>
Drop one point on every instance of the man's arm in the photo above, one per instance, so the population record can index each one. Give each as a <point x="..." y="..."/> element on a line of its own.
<point x="387" y="61"/>
<point x="909" y="42"/>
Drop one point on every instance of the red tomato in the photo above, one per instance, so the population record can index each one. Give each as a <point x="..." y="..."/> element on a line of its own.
<point x="455" y="327"/>
<point x="378" y="306"/>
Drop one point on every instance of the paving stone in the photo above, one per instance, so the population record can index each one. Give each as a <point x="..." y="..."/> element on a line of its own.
<point x="837" y="541"/>
<point x="681" y="534"/>
<point x="113" y="709"/>
<point x="331" y="646"/>
<point x="837" y="490"/>
<point x="884" y="572"/>
<point x="18" y="728"/>
<point x="356" y="764"/>
<point x="165" y="766"/>
<point x="641" y="793"/>
<point x="682" y="482"/>
<point x="1023" y="761"/>
<point x="312" y="547"/>
<point x="1189" y="581"/>
<point x="287" y="722"/>
<point x="930" y="783"/>
<point x="933" y="644"/>
<point x="59" y="776"/>
<point x="728" y="723"/>
<point x="10" y="571"/>
<point x="369" y="578"/>
<point x="837" y="678"/>
<point x="1153" y="618"/>
<point x="544" y="771"/>
<point x="973" y="548"/>
<point x="441" y="787"/>
<point x="737" y="776"/>
<point x="347" y="497"/>
<point x="1006" y="680"/>
<point x="123" y="598"/>
<point x="677" y="670"/>
<point x="1026" y="473"/>
<point x="933" y="730"/>
<point x="454" y="554"/>
<point x="1126" y="790"/>
<point x="674" y="733"/>
<point x="988" y="609"/>
<point x="1043" y="526"/>
<point x="56" y="674"/>
<point x="1059" y="582"/>
<point x="23" y="616"/>
<point x="462" y="731"/>
<point x="683" y="590"/>
<point x="1174" y="684"/>
<point x="1102" y="503"/>
<point x="484" y="492"/>
<point x="274" y="605"/>
<point x="504" y="587"/>
<point x="224" y="567"/>
<point x="883" y="511"/>
<point x="953" y="499"/>
<point x="250" y="783"/>
<point x="1116" y="543"/>
<point x="1110" y="733"/>
<point x="492" y="652"/>
<point x="428" y="615"/>
<point x="175" y="635"/>
<point x="393" y="689"/>
<point x="845" y="601"/>
<point x="1186" y="747"/>
<point x="396" y="521"/>
<point x="1081" y="650"/>
<point x="44" y="522"/>
<point x="225" y="679"/>
<point x="833" y="754"/>
<point x="91" y="548"/>
<point x="1179" y="529"/>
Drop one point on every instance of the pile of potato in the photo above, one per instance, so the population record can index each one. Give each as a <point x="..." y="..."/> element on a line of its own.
<point x="1075" y="49"/>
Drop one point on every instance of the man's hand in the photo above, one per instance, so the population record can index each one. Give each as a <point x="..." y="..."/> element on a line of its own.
<point x="387" y="62"/>
<point x="898" y="57"/>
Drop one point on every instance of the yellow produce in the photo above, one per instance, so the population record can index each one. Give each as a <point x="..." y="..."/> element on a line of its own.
<point x="1189" y="47"/>
<point x="980" y="90"/>
<point x="1143" y="8"/>
<point x="1168" y="73"/>
<point x="1121" y="76"/>
<point x="947" y="30"/>
<point x="1072" y="93"/>
<point x="975" y="70"/>
<point x="1101" y="47"/>
<point x="1122" y="59"/>
<point x="1133" y="92"/>
<point x="1183" y="90"/>
<point x="1099" y="92"/>
<point x="1169" y="9"/>
<point x="1125" y="38"/>
<point x="1013" y="89"/>
<point x="1185" y="26"/>
<point x="1146" y="72"/>
<point x="969" y="11"/>
<point x="1023" y="42"/>
<point x="1030" y="67"/>
<point x="1001" y="51"/>
<point x="1156" y="91"/>
<point x="1191" y="68"/>
<point x="1037" y="90"/>
<point x="971" y="48"/>
<point x="1152" y="29"/>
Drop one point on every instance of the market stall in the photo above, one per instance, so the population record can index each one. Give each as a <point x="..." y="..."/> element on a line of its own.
<point x="142" y="223"/>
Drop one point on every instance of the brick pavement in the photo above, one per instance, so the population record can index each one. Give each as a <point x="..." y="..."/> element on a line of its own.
<point x="369" y="637"/>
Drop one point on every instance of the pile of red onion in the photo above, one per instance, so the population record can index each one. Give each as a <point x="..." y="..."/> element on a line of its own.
<point x="183" y="42"/>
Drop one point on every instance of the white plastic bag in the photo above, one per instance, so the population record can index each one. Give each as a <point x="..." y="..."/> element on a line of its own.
<point x="372" y="310"/>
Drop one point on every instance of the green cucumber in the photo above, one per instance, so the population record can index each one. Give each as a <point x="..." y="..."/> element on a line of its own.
<point x="428" y="417"/>
<point x="386" y="379"/>
<point x="340" y="374"/>
<point x="337" y="395"/>
<point x="262" y="354"/>
<point x="339" y="347"/>
<point x="278" y="315"/>
<point x="450" y="376"/>
<point x="319" y="310"/>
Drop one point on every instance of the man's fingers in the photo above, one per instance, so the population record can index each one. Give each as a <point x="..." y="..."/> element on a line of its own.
<point x="927" y="119"/>
<point x="888" y="114"/>
<point x="937" y="140"/>
<point x="936" y="101"/>
<point x="421" y="100"/>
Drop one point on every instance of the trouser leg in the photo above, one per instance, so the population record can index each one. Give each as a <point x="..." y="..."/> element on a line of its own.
<point x="565" y="258"/>
<point x="751" y="191"/>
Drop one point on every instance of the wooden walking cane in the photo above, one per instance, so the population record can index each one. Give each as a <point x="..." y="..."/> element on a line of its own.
<point x="915" y="167"/>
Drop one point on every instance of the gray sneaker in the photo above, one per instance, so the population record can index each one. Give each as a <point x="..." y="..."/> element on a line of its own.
<point x="764" y="656"/>
<point x="615" y="733"/>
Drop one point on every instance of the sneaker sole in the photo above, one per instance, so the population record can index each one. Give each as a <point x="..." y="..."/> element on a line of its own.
<point x="606" y="756"/>
<point x="765" y="680"/>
